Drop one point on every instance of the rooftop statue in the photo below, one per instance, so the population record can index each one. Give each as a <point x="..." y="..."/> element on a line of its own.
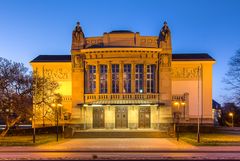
<point x="78" y="31"/>
<point x="164" y="32"/>
<point x="78" y="37"/>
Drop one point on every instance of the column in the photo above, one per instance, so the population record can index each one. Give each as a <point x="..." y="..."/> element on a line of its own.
<point x="121" y="66"/>
<point x="133" y="66"/>
<point x="109" y="78"/>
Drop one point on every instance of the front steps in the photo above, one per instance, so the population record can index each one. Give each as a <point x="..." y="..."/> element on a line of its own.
<point x="121" y="134"/>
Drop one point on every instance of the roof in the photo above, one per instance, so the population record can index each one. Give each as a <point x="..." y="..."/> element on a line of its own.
<point x="120" y="31"/>
<point x="175" y="57"/>
<point x="215" y="104"/>
<point x="52" y="58"/>
<point x="192" y="57"/>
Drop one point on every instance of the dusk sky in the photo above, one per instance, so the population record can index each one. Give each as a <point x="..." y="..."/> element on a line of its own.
<point x="32" y="27"/>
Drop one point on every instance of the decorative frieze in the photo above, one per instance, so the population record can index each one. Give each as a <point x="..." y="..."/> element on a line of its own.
<point x="183" y="73"/>
<point x="58" y="73"/>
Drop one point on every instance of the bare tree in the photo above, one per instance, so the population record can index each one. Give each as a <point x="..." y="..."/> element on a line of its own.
<point x="18" y="87"/>
<point x="44" y="95"/>
<point x="232" y="78"/>
<point x="15" y="92"/>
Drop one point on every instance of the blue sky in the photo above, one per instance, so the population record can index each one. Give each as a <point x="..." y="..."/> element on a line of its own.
<point x="32" y="27"/>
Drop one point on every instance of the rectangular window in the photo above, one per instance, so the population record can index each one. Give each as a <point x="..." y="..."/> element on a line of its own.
<point x="92" y="79"/>
<point x="127" y="78"/>
<point x="103" y="78"/>
<point x="151" y="78"/>
<point x="115" y="78"/>
<point x="139" y="78"/>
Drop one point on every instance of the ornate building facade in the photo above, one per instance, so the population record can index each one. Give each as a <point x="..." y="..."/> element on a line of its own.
<point x="123" y="80"/>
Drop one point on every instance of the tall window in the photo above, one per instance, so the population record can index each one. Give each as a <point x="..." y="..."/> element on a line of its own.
<point x="139" y="78"/>
<point x="127" y="78"/>
<point x="103" y="78"/>
<point x="151" y="78"/>
<point x="115" y="78"/>
<point x="92" y="79"/>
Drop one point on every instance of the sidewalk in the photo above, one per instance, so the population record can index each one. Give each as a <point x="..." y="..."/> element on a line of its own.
<point x="121" y="145"/>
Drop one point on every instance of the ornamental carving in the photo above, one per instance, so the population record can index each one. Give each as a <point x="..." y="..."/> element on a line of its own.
<point x="185" y="73"/>
<point x="58" y="74"/>
<point x="79" y="61"/>
<point x="165" y="60"/>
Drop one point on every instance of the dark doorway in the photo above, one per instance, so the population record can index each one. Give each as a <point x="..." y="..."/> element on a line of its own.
<point x="144" y="117"/>
<point x="98" y="117"/>
<point x="121" y="117"/>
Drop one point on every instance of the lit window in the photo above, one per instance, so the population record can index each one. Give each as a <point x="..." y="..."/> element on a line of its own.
<point x="139" y="78"/>
<point x="103" y="78"/>
<point x="115" y="78"/>
<point x="92" y="79"/>
<point x="127" y="78"/>
<point x="151" y="78"/>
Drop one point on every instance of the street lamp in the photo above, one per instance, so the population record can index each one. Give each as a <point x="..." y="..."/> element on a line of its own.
<point x="177" y="104"/>
<point x="231" y="115"/>
<point x="54" y="105"/>
<point x="183" y="104"/>
<point x="176" y="119"/>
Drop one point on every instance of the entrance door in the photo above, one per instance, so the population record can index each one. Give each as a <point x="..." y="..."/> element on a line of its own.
<point x="121" y="117"/>
<point x="144" y="117"/>
<point x="98" y="117"/>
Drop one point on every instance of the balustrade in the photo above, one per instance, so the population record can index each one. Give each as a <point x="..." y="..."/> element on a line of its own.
<point x="97" y="97"/>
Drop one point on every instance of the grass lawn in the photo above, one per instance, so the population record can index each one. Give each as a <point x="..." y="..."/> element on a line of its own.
<point x="28" y="140"/>
<point x="213" y="139"/>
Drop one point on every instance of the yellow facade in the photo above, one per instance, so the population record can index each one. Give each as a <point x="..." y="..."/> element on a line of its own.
<point x="123" y="80"/>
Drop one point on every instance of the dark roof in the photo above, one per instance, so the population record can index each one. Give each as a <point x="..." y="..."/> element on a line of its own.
<point x="215" y="104"/>
<point x="175" y="57"/>
<point x="52" y="58"/>
<point x="192" y="57"/>
<point x="120" y="31"/>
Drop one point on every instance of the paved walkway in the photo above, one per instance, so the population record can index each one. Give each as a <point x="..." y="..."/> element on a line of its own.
<point x="119" y="149"/>
<point x="121" y="144"/>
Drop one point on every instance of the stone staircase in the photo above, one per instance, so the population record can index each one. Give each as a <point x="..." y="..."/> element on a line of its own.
<point x="121" y="134"/>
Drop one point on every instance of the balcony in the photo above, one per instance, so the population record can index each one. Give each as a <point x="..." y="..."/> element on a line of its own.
<point x="150" y="98"/>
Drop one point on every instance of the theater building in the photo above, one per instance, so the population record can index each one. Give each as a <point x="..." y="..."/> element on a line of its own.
<point x="123" y="80"/>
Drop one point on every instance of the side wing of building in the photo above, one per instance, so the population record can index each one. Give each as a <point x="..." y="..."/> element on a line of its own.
<point x="192" y="83"/>
<point x="58" y="68"/>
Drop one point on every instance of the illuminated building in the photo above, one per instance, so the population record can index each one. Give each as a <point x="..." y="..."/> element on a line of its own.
<point x="123" y="80"/>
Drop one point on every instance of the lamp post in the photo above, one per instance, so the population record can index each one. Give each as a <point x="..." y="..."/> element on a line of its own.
<point x="183" y="104"/>
<point x="176" y="120"/>
<point x="231" y="115"/>
<point x="54" y="105"/>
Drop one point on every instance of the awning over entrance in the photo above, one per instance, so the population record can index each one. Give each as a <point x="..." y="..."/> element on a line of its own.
<point x="124" y="102"/>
